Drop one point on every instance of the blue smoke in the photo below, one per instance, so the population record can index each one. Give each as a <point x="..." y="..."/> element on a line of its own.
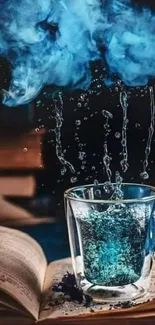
<point x="52" y="42"/>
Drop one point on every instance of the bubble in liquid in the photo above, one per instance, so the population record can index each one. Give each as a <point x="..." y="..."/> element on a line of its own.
<point x="117" y="135"/>
<point x="79" y="104"/>
<point x="144" y="175"/>
<point x="98" y="193"/>
<point x="25" y="149"/>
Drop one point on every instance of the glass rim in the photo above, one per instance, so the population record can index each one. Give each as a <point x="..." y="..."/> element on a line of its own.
<point x="143" y="199"/>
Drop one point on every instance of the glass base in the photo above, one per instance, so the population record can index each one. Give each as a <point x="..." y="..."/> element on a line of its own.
<point x="115" y="294"/>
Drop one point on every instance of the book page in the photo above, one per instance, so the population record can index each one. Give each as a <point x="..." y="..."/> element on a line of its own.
<point x="22" y="268"/>
<point x="14" y="319"/>
<point x="55" y="306"/>
<point x="8" y="303"/>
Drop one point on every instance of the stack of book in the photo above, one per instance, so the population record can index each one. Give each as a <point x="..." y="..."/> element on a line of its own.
<point x="20" y="157"/>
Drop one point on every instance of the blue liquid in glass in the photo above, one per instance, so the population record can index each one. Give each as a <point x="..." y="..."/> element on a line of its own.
<point x="114" y="244"/>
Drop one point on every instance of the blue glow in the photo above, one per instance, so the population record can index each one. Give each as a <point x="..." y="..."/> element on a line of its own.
<point x="40" y="54"/>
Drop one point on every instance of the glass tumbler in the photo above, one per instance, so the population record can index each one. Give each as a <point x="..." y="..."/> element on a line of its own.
<point x="111" y="240"/>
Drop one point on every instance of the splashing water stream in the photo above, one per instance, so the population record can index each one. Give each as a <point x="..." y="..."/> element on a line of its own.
<point x="59" y="121"/>
<point x="117" y="194"/>
<point x="106" y="158"/>
<point x="144" y="175"/>
<point x="124" y="105"/>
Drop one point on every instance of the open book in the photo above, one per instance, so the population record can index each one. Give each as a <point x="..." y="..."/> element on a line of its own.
<point x="28" y="295"/>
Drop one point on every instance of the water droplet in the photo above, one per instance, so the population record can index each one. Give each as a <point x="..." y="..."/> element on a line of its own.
<point x="78" y="122"/>
<point x="81" y="155"/>
<point x="108" y="187"/>
<point x="79" y="104"/>
<point x="82" y="97"/>
<point x="84" y="162"/>
<point x="25" y="149"/>
<point x="80" y="145"/>
<point x="63" y="171"/>
<point x="117" y="135"/>
<point x="144" y="175"/>
<point x="73" y="180"/>
<point x="137" y="125"/>
<point x="36" y="129"/>
<point x="93" y="168"/>
<point x="96" y="183"/>
<point x="107" y="114"/>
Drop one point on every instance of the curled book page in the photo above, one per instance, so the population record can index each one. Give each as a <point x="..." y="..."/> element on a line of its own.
<point x="22" y="268"/>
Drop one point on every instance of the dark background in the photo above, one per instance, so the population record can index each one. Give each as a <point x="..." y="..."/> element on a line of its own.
<point x="88" y="137"/>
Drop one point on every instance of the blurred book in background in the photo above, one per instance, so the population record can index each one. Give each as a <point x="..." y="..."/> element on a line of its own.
<point x="20" y="157"/>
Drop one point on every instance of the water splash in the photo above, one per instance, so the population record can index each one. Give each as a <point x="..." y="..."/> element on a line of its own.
<point x="124" y="105"/>
<point x="59" y="120"/>
<point x="106" y="158"/>
<point x="118" y="193"/>
<point x="49" y="42"/>
<point x="144" y="175"/>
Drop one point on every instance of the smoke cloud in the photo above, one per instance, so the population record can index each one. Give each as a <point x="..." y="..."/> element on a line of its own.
<point x="52" y="42"/>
